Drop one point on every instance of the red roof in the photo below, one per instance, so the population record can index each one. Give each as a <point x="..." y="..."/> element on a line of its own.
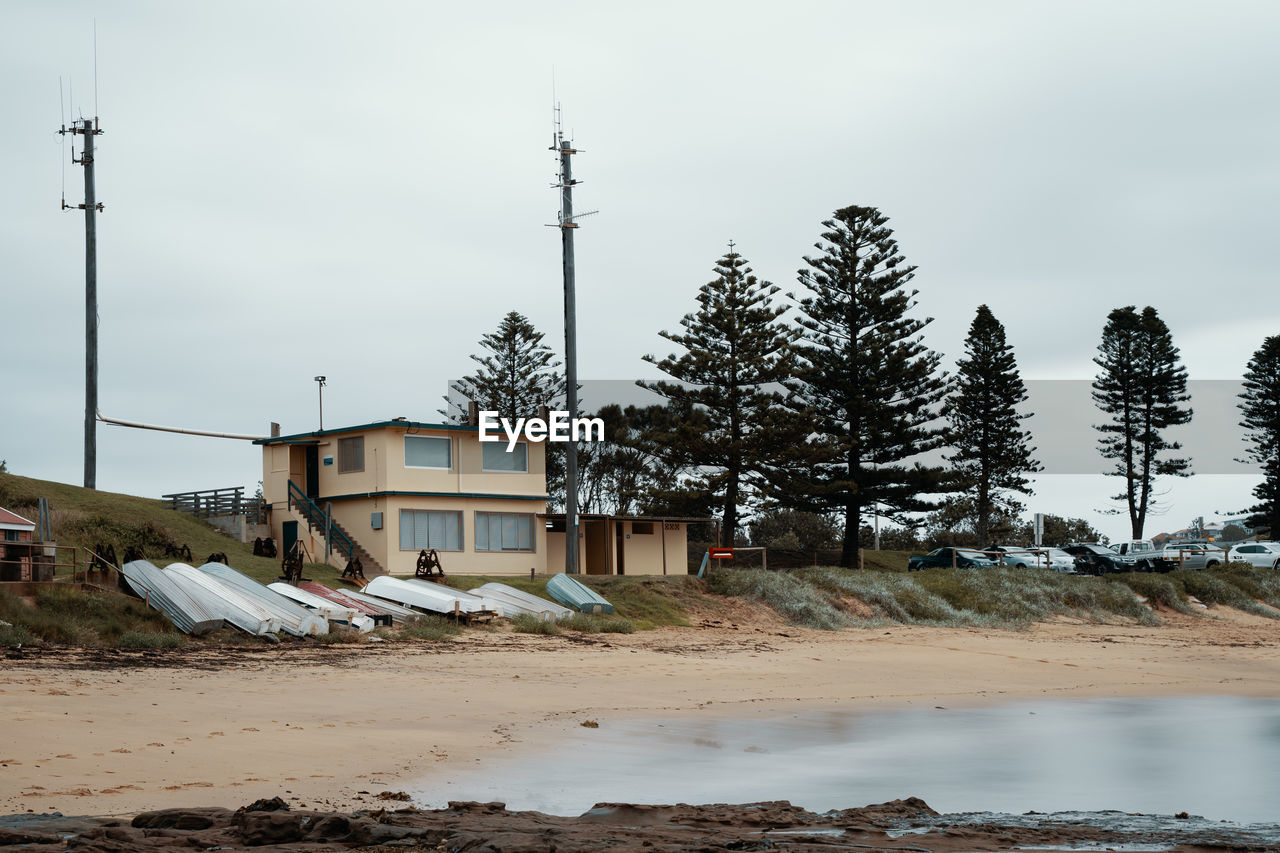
<point x="7" y="517"/>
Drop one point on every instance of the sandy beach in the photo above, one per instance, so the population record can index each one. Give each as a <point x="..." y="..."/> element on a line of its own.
<point x="111" y="733"/>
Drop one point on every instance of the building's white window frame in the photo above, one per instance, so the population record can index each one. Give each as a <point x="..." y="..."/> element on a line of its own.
<point x="415" y="546"/>
<point x="527" y="517"/>
<point x="502" y="447"/>
<point x="445" y="438"/>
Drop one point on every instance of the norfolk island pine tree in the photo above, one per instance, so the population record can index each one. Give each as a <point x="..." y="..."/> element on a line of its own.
<point x="735" y="355"/>
<point x="865" y="394"/>
<point x="1141" y="384"/>
<point x="992" y="453"/>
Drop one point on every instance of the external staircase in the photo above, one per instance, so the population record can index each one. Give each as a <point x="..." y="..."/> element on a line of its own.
<point x="339" y="540"/>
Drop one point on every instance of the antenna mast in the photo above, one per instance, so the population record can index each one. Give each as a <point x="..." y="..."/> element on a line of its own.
<point x="564" y="148"/>
<point x="88" y="128"/>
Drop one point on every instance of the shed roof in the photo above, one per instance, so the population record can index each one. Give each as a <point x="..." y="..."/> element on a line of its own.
<point x="13" y="521"/>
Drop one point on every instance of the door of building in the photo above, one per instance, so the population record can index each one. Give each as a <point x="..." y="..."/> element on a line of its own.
<point x="621" y="540"/>
<point x="289" y="531"/>
<point x="313" y="472"/>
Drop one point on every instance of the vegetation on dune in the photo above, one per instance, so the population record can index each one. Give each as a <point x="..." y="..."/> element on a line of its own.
<point x="590" y="623"/>
<point x="1214" y="587"/>
<point x="993" y="597"/>
<point x="799" y="602"/>
<point x="72" y="617"/>
<point x="528" y="623"/>
<point x="1159" y="590"/>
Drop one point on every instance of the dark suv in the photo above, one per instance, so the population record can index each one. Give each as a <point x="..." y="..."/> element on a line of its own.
<point x="945" y="558"/>
<point x="1094" y="559"/>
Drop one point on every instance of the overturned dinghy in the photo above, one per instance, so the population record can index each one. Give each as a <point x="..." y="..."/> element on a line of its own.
<point x="377" y="614"/>
<point x="343" y="614"/>
<point x="399" y="613"/>
<point x="571" y="593"/>
<point x="217" y="597"/>
<point x="161" y="592"/>
<point x="293" y="618"/>
<point x="517" y="601"/>
<point x="429" y="596"/>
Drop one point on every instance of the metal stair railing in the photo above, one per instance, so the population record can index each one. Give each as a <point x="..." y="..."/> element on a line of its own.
<point x="317" y="517"/>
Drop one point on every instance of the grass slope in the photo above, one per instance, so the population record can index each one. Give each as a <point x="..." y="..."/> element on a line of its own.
<point x="84" y="518"/>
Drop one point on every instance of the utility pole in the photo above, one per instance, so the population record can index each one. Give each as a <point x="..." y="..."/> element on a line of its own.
<point x="88" y="129"/>
<point x="567" y="225"/>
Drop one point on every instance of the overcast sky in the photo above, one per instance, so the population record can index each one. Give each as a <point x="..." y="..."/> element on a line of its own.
<point x="362" y="191"/>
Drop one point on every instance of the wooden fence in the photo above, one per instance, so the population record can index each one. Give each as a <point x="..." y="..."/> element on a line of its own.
<point x="209" y="502"/>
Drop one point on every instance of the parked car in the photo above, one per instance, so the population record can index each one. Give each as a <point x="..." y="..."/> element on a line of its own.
<point x="1094" y="559"/>
<point x="1030" y="557"/>
<point x="1189" y="555"/>
<point x="1142" y="550"/>
<point x="961" y="558"/>
<point x="1020" y="558"/>
<point x="1263" y="555"/>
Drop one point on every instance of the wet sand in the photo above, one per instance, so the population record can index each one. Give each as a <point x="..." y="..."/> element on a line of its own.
<point x="331" y="727"/>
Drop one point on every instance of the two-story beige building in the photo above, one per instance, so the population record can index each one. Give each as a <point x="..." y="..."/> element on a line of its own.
<point x="395" y="488"/>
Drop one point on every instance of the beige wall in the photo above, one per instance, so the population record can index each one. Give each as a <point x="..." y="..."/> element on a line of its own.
<point x="642" y="553"/>
<point x="384" y="470"/>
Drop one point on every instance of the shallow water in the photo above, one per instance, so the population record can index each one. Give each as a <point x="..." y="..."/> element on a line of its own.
<point x="1218" y="757"/>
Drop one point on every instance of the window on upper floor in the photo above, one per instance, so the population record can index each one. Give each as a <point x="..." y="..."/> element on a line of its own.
<point x="504" y="531"/>
<point x="428" y="451"/>
<point x="495" y="457"/>
<point x="351" y="455"/>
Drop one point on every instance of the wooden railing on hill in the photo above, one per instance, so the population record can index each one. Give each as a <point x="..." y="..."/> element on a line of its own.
<point x="209" y="502"/>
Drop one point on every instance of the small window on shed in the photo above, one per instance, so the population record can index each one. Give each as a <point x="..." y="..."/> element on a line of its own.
<point x="350" y="454"/>
<point x="642" y="527"/>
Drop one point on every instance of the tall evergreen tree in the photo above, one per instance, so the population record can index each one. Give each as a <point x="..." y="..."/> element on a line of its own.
<point x="1142" y="386"/>
<point x="866" y="391"/>
<point x="735" y="354"/>
<point x="993" y="453"/>
<point x="1261" y="407"/>
<point x="517" y="377"/>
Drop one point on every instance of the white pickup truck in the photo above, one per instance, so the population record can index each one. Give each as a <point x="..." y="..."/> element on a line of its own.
<point x="1144" y="551"/>
<point x="1189" y="555"/>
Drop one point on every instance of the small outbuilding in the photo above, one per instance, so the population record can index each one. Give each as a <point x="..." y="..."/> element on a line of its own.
<point x="17" y="535"/>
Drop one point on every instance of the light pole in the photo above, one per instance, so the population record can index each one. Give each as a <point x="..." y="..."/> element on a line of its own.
<point x="320" y="390"/>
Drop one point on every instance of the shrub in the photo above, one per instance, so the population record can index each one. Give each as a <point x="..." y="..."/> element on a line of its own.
<point x="15" y="635"/>
<point x="1214" y="587"/>
<point x="340" y="636"/>
<point x="141" y="640"/>
<point x="588" y="623"/>
<point x="1260" y="584"/>
<point x="429" y="628"/>
<point x="528" y="623"/>
<point x="1158" y="589"/>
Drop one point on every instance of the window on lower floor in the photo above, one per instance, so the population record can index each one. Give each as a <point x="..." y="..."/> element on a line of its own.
<point x="504" y="531"/>
<point x="430" y="528"/>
